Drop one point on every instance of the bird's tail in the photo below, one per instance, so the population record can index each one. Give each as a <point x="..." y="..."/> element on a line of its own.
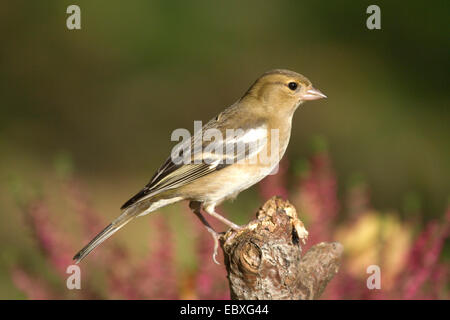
<point x="114" y="226"/>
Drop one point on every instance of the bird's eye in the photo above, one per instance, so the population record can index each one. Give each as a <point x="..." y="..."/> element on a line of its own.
<point x="292" y="85"/>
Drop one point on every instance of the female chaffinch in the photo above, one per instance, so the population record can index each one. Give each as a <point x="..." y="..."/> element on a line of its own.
<point x="250" y="137"/>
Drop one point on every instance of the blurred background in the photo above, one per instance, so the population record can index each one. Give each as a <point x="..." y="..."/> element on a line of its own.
<point x="86" y="117"/>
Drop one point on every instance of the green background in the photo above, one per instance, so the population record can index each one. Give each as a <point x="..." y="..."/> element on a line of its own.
<point x="108" y="96"/>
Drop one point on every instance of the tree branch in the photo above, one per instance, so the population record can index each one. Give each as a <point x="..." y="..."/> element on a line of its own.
<point x="264" y="259"/>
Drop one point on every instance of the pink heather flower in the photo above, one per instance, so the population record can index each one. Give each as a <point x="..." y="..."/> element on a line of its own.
<point x="209" y="279"/>
<point x="160" y="266"/>
<point x="53" y="243"/>
<point x="152" y="278"/>
<point x="90" y="220"/>
<point x="155" y="277"/>
<point x="318" y="198"/>
<point x="34" y="288"/>
<point x="425" y="255"/>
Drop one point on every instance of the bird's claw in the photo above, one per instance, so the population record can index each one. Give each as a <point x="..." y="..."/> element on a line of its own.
<point x="216" y="237"/>
<point x="214" y="258"/>
<point x="216" y="247"/>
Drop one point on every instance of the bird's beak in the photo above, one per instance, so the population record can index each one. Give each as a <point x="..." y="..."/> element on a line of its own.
<point x="313" y="94"/>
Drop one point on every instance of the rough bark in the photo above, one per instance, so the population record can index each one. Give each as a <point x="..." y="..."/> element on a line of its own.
<point x="264" y="260"/>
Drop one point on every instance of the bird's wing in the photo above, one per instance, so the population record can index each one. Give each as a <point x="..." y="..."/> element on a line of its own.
<point x="217" y="150"/>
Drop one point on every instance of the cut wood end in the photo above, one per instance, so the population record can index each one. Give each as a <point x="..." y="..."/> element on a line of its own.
<point x="268" y="218"/>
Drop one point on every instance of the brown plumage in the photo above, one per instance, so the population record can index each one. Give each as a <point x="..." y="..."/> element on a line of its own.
<point x="262" y="121"/>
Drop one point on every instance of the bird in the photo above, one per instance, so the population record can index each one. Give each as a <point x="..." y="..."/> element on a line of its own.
<point x="254" y="131"/>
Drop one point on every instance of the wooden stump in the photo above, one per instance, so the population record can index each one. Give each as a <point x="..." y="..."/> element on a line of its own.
<point x="264" y="260"/>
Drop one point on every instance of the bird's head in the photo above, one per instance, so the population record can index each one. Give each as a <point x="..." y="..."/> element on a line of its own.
<point x="283" y="90"/>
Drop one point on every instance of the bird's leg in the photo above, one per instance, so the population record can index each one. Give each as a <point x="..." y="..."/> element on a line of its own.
<point x="195" y="206"/>
<point x="210" y="210"/>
